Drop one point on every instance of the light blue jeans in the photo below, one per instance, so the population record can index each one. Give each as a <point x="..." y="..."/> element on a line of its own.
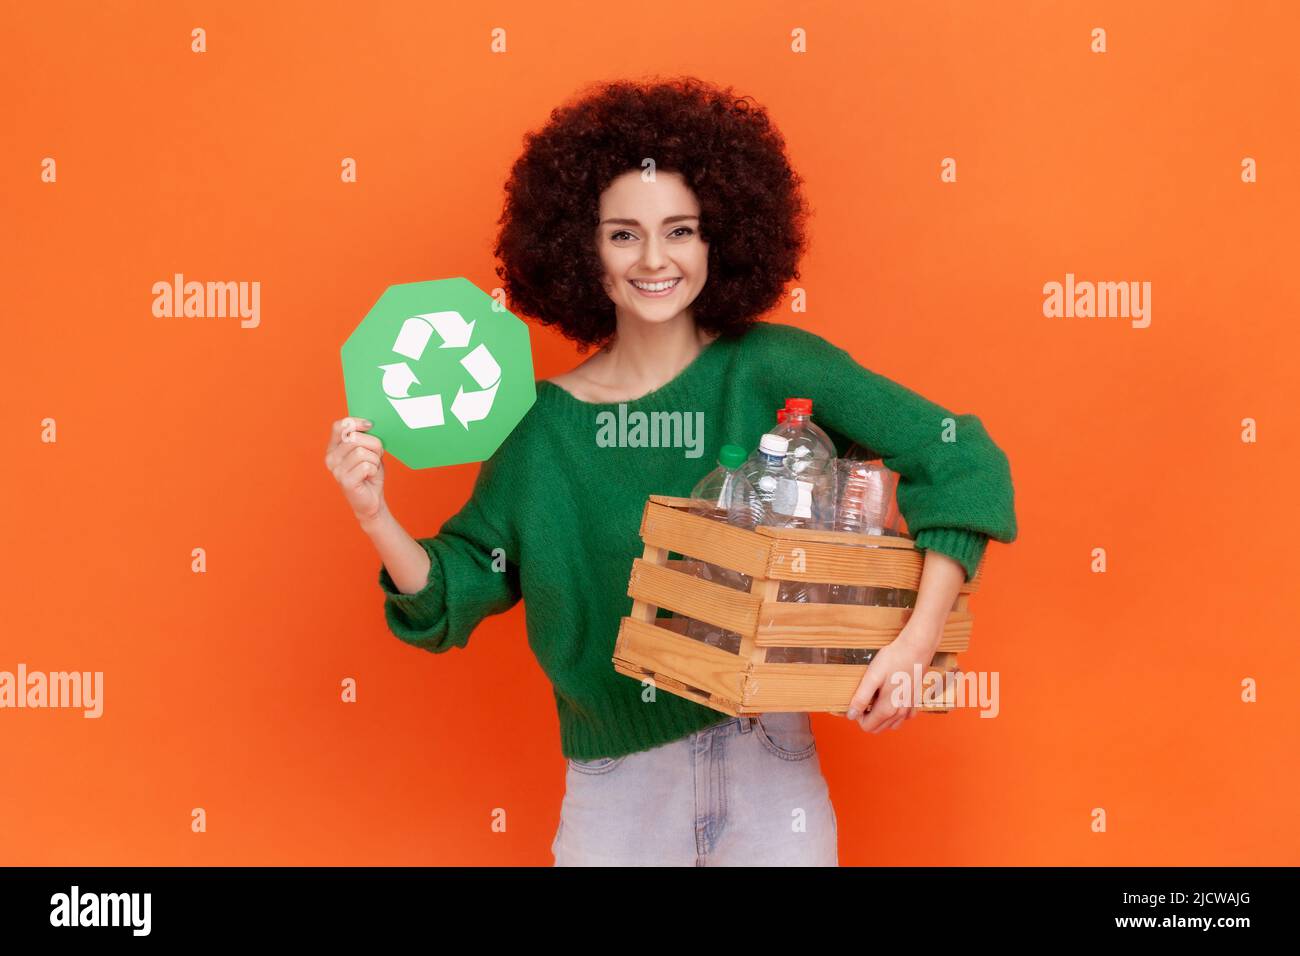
<point x="745" y="792"/>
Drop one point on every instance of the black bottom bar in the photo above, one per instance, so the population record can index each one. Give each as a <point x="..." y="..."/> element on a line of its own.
<point x="939" y="907"/>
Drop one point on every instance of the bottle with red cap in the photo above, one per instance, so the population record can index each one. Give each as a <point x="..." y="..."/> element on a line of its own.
<point x="802" y="409"/>
<point x="793" y="477"/>
<point x="811" y="459"/>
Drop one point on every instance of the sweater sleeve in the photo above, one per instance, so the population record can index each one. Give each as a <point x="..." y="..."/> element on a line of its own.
<point x="954" y="488"/>
<point x="469" y="579"/>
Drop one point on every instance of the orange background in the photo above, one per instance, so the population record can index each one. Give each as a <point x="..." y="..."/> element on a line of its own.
<point x="1119" y="691"/>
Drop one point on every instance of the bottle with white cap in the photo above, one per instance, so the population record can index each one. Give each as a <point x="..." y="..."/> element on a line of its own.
<point x="775" y="503"/>
<point x="774" y="494"/>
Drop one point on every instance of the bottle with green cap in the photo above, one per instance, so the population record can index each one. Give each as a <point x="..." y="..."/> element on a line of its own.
<point x="722" y="495"/>
<point x="717" y="491"/>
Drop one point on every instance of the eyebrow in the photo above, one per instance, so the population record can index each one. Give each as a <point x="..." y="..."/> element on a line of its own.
<point x="633" y="222"/>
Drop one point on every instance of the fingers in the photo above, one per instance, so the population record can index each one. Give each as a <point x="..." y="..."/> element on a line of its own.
<point x="344" y="426"/>
<point x="356" y="476"/>
<point x="352" y="425"/>
<point x="346" y="432"/>
<point x="893" y="723"/>
<point x="347" y="461"/>
<point x="362" y="439"/>
<point x="877" y="719"/>
<point x="903" y="716"/>
<point x="887" y="721"/>
<point x="881" y="714"/>
<point x="865" y="692"/>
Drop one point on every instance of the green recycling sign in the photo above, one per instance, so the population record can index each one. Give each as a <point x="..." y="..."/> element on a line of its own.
<point x="442" y="370"/>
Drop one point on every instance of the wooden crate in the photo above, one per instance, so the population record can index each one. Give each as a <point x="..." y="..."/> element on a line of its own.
<point x="745" y="683"/>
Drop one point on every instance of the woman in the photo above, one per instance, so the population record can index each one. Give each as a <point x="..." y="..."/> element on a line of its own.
<point x="658" y="222"/>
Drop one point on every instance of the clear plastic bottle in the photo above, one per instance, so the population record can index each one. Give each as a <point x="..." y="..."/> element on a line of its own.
<point x="811" y="457"/>
<point x="721" y="495"/>
<point x="775" y="503"/>
<point x="865" y="504"/>
<point x="764" y="470"/>
<point x="713" y="495"/>
<point x="753" y="464"/>
<point x="866" y="501"/>
<point x="801" y="408"/>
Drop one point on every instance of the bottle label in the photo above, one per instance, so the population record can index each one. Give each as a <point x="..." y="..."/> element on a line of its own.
<point x="786" y="498"/>
<point x="803" y="505"/>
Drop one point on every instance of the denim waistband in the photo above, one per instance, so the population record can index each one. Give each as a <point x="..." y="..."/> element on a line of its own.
<point x="728" y="727"/>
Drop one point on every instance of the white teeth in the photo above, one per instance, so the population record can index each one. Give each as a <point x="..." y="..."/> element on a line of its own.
<point x="655" y="286"/>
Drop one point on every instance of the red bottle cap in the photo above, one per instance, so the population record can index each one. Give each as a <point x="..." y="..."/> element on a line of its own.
<point x="780" y="415"/>
<point x="802" y="406"/>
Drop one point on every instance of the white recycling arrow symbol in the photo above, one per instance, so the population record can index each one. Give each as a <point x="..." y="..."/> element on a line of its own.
<point x="425" y="411"/>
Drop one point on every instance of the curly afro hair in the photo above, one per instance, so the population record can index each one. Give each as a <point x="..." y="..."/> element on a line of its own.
<point x="731" y="155"/>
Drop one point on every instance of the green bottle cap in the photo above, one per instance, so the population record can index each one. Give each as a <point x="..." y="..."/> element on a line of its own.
<point x="732" y="456"/>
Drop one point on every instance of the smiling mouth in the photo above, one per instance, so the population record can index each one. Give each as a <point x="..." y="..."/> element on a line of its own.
<point x="655" y="289"/>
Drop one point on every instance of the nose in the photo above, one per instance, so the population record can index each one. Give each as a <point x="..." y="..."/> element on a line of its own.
<point x="652" y="254"/>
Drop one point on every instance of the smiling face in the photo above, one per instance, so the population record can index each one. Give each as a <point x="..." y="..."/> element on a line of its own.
<point x="649" y="243"/>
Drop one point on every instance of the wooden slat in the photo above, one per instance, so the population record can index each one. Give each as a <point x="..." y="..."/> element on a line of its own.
<point x="792" y="624"/>
<point x="884" y="567"/>
<point x="683" y="594"/>
<point x="641" y="610"/>
<point x="817" y="535"/>
<point x="681" y="690"/>
<point x="671" y="501"/>
<point x="765" y="591"/>
<point x="792" y="537"/>
<point x="662" y="652"/>
<point x="805" y="687"/>
<point x="698" y="537"/>
<point x="837" y="564"/>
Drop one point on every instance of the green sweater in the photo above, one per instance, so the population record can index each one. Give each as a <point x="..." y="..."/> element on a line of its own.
<point x="563" y="496"/>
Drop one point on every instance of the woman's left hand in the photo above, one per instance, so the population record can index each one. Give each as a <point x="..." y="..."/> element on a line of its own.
<point x="916" y="644"/>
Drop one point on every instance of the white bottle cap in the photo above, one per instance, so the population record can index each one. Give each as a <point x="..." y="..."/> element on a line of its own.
<point x="774" y="444"/>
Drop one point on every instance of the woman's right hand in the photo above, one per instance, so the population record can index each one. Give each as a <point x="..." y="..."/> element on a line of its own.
<point x="356" y="461"/>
